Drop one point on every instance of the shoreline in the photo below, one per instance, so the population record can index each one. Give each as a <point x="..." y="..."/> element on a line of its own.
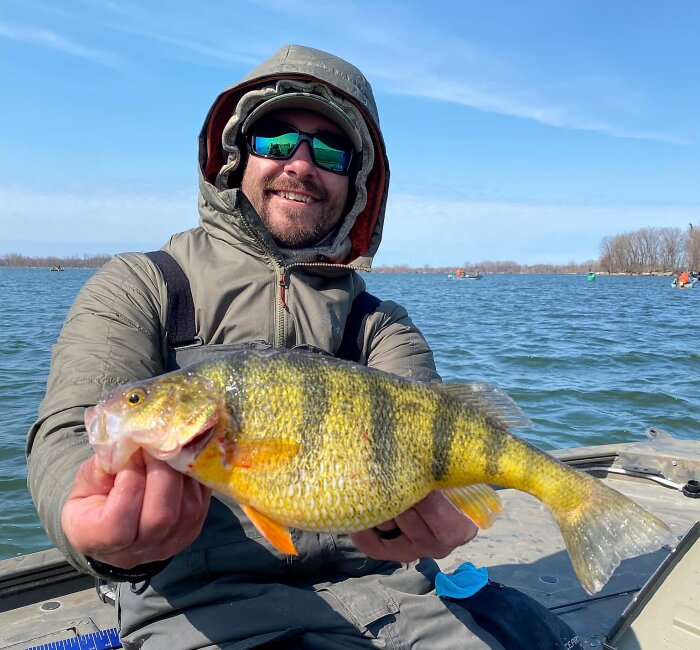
<point x="65" y="266"/>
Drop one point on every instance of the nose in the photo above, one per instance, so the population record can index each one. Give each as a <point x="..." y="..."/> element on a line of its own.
<point x="301" y="164"/>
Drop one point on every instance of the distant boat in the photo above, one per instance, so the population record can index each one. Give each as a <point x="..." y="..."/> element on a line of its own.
<point x="464" y="277"/>
<point x="591" y="276"/>
<point x="461" y="274"/>
<point x="56" y="268"/>
<point x="685" y="285"/>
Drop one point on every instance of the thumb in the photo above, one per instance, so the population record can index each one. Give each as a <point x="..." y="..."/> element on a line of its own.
<point x="91" y="479"/>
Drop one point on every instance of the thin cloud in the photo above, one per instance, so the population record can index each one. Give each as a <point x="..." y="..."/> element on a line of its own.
<point x="446" y="89"/>
<point x="483" y="97"/>
<point x="82" y="215"/>
<point x="484" y="80"/>
<point x="389" y="54"/>
<point x="52" y="40"/>
<point x="456" y="230"/>
<point x="527" y="232"/>
<point x="169" y="29"/>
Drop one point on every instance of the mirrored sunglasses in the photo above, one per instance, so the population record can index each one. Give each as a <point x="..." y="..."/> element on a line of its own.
<point x="329" y="151"/>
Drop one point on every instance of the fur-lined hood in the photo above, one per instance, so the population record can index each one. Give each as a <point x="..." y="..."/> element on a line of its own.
<point x="297" y="68"/>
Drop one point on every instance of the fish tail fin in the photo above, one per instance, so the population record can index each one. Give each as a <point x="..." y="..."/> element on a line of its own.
<point x="479" y="502"/>
<point x="605" y="528"/>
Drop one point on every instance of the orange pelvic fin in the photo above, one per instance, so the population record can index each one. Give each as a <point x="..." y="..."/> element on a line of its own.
<point x="255" y="453"/>
<point x="479" y="502"/>
<point x="274" y="532"/>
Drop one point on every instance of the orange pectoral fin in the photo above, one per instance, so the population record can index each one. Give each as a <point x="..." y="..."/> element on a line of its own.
<point x="255" y="453"/>
<point x="274" y="532"/>
<point x="479" y="502"/>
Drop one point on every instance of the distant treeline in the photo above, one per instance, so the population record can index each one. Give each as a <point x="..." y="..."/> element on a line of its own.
<point x="652" y="250"/>
<point x="647" y="250"/>
<point x="74" y="262"/>
<point x="491" y="267"/>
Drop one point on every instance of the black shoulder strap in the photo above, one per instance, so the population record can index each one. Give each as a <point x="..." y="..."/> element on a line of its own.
<point x="354" y="335"/>
<point x="180" y="324"/>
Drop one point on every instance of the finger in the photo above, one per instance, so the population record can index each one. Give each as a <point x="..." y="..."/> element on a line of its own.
<point x="400" y="549"/>
<point x="448" y="525"/>
<point x="414" y="527"/>
<point x="196" y="498"/>
<point x="91" y="479"/>
<point x="371" y="544"/>
<point x="194" y="509"/>
<point x="387" y="525"/>
<point x="161" y="503"/>
<point x="423" y="541"/>
<point x="96" y="523"/>
<point x="122" y="510"/>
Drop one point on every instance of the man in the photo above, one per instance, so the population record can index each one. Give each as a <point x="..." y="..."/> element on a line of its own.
<point x="683" y="278"/>
<point x="293" y="186"/>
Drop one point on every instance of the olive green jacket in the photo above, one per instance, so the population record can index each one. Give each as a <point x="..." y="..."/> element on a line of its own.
<point x="230" y="590"/>
<point x="244" y="288"/>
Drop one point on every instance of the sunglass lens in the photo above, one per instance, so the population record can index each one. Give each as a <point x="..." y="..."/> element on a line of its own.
<point x="332" y="153"/>
<point x="274" y="141"/>
<point x="332" y="159"/>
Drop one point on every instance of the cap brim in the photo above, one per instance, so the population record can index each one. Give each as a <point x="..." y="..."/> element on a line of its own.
<point x="309" y="102"/>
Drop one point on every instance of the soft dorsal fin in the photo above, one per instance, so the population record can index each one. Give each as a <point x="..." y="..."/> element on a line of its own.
<point x="488" y="399"/>
<point x="479" y="502"/>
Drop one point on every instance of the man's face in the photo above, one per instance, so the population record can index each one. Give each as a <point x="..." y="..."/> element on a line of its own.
<point x="298" y="202"/>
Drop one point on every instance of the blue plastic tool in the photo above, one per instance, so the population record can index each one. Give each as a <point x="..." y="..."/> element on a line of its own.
<point x="103" y="640"/>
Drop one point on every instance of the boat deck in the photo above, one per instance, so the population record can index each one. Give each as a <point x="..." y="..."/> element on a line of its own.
<point x="524" y="549"/>
<point x="43" y="600"/>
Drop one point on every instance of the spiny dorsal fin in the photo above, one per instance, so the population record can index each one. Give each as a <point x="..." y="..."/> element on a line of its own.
<point x="479" y="502"/>
<point x="488" y="399"/>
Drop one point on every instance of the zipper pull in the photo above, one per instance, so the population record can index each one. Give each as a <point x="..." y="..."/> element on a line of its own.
<point x="283" y="285"/>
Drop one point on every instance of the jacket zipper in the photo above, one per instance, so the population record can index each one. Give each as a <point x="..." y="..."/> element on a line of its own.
<point x="281" y="307"/>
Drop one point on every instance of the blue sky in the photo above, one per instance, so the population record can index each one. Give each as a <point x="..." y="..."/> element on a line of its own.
<point x="521" y="131"/>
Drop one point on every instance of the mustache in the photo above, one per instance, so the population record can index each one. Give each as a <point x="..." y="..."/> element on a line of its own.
<point x="294" y="185"/>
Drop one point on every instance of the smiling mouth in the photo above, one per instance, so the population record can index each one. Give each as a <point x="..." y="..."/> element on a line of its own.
<point x="295" y="196"/>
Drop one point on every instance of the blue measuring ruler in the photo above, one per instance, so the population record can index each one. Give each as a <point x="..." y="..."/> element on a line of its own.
<point x="103" y="640"/>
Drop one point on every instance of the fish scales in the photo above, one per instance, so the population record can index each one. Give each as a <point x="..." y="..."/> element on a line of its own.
<point x="303" y="440"/>
<point x="348" y="411"/>
<point x="444" y="425"/>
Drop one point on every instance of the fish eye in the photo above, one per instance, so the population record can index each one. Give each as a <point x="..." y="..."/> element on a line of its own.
<point x="135" y="397"/>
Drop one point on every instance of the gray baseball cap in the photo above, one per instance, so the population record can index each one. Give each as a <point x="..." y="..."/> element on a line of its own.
<point x="309" y="102"/>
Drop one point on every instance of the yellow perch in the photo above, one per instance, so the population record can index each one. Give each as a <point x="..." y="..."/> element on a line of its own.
<point x="306" y="441"/>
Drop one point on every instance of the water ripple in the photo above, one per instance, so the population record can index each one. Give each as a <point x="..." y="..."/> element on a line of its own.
<point x="589" y="363"/>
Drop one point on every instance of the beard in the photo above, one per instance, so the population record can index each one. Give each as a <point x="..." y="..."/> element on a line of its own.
<point x="298" y="228"/>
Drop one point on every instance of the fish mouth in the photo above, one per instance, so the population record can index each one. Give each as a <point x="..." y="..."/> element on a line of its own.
<point x="183" y="458"/>
<point x="195" y="446"/>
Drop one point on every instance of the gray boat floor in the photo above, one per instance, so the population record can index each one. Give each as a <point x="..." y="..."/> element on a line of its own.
<point x="523" y="549"/>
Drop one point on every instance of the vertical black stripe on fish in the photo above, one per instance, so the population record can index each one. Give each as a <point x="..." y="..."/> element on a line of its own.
<point x="444" y="422"/>
<point x="383" y="434"/>
<point x="494" y="448"/>
<point x="315" y="401"/>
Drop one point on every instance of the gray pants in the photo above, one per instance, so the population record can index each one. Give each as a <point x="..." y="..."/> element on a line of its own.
<point x="240" y="593"/>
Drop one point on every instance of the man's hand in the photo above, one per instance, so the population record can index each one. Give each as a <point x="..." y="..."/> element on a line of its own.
<point x="432" y="528"/>
<point x="146" y="512"/>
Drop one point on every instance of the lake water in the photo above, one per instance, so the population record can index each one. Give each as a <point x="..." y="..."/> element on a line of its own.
<point x="589" y="362"/>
